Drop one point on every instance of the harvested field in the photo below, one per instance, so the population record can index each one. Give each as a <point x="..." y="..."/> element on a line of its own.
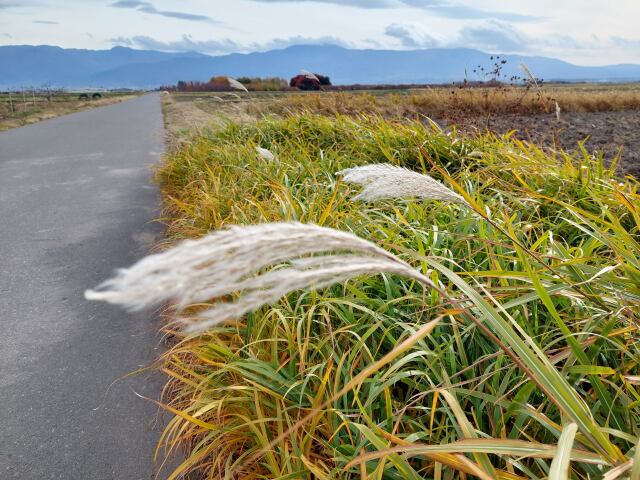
<point x="607" y="133"/>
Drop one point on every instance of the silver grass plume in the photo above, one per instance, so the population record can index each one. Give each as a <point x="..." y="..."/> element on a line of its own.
<point x="309" y="75"/>
<point x="258" y="263"/>
<point x="233" y="83"/>
<point x="383" y="180"/>
<point x="265" y="154"/>
<point x="529" y="74"/>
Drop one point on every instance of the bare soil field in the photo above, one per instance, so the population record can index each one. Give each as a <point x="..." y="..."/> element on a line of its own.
<point x="609" y="133"/>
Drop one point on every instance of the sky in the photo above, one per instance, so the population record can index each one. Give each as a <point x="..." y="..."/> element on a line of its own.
<point x="585" y="32"/>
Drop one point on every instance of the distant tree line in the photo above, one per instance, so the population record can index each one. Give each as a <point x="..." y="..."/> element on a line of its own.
<point x="221" y="84"/>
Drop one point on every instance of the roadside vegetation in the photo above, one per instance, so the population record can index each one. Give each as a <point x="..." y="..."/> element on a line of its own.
<point x="24" y="108"/>
<point x="522" y="362"/>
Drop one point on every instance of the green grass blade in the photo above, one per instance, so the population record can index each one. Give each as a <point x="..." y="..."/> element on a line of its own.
<point x="560" y="464"/>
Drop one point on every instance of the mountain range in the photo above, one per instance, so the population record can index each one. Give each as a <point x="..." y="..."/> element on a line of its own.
<point x="120" y="67"/>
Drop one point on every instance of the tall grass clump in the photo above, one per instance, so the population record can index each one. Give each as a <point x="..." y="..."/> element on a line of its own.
<point x="482" y="321"/>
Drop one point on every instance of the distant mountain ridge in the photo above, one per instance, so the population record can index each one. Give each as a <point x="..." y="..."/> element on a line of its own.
<point x="121" y="67"/>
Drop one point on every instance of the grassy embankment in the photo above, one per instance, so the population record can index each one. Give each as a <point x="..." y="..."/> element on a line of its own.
<point x="547" y="259"/>
<point x="34" y="108"/>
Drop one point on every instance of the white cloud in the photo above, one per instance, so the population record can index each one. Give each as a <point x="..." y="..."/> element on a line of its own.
<point x="489" y="35"/>
<point x="221" y="46"/>
<point x="444" y="8"/>
<point x="185" y="44"/>
<point x="493" y="36"/>
<point x="401" y="24"/>
<point x="147" y="7"/>
<point x="411" y="36"/>
<point x="346" y="3"/>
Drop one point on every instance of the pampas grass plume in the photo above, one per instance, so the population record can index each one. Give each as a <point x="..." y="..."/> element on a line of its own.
<point x="233" y="83"/>
<point x="265" y="154"/>
<point x="255" y="264"/>
<point x="383" y="180"/>
<point x="309" y="75"/>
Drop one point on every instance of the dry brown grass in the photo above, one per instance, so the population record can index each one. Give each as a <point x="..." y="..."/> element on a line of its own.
<point x="458" y="103"/>
<point x="189" y="113"/>
<point x="186" y="113"/>
<point x="37" y="109"/>
<point x="181" y="117"/>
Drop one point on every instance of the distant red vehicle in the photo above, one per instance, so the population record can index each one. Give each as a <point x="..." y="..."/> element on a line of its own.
<point x="308" y="82"/>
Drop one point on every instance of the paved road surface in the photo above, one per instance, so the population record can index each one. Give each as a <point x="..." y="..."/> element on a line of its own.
<point x="75" y="202"/>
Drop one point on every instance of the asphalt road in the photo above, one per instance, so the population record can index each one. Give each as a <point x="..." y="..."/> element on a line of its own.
<point x="76" y="202"/>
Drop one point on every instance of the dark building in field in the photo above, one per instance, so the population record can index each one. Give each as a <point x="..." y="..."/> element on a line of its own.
<point x="308" y="82"/>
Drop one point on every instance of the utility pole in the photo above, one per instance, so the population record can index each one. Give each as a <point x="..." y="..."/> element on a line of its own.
<point x="11" y="102"/>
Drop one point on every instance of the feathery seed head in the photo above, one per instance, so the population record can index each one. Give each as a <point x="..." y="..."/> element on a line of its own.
<point x="265" y="154"/>
<point x="383" y="180"/>
<point x="233" y="83"/>
<point x="309" y="75"/>
<point x="261" y="263"/>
